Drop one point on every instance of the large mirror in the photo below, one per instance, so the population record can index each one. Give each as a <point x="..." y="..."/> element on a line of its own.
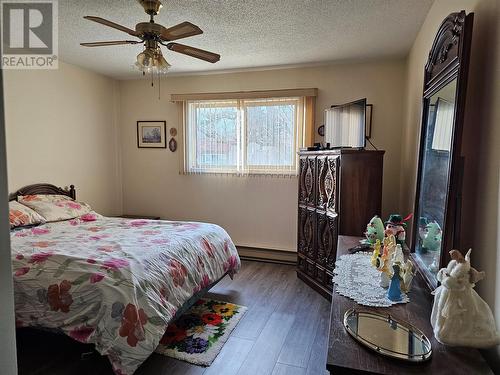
<point x="437" y="203"/>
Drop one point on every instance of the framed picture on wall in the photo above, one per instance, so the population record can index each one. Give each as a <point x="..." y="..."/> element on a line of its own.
<point x="151" y="134"/>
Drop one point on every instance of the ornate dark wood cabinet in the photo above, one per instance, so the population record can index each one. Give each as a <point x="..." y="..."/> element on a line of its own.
<point x="339" y="192"/>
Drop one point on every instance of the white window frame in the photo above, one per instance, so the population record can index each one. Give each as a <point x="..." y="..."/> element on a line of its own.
<point x="242" y="168"/>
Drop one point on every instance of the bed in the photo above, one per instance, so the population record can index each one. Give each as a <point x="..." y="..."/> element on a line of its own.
<point x="114" y="282"/>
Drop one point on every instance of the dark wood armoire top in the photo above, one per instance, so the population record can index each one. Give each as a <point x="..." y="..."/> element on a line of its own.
<point x="341" y="151"/>
<point x="346" y="356"/>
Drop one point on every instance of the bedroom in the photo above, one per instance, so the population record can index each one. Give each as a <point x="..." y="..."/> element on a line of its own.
<point x="78" y="124"/>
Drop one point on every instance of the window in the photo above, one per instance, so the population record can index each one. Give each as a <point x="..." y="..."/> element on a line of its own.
<point x="244" y="136"/>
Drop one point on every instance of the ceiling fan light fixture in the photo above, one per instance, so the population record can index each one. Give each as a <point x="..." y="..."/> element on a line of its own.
<point x="160" y="62"/>
<point x="152" y="35"/>
<point x="152" y="61"/>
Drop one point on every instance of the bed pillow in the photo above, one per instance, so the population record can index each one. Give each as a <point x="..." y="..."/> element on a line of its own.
<point x="20" y="215"/>
<point x="55" y="207"/>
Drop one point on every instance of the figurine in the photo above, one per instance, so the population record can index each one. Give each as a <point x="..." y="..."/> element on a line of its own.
<point x="394" y="292"/>
<point x="397" y="256"/>
<point x="396" y="226"/>
<point x="407" y="276"/>
<point x="460" y="317"/>
<point x="422" y="228"/>
<point x="432" y="243"/>
<point x="374" y="230"/>
<point x="376" y="253"/>
<point x="384" y="261"/>
<point x="433" y="236"/>
<point x="389" y="246"/>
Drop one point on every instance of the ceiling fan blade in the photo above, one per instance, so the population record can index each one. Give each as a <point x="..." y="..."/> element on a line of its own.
<point x="194" y="52"/>
<point x="182" y="30"/>
<point x="104" y="22"/>
<point x="110" y="43"/>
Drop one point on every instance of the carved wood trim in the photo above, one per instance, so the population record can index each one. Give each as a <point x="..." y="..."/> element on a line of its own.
<point x="306" y="180"/>
<point x="327" y="183"/>
<point x="45" y="189"/>
<point x="445" y="51"/>
<point x="327" y="240"/>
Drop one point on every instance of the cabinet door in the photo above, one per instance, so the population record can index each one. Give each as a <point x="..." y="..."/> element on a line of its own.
<point x="307" y="232"/>
<point x="306" y="180"/>
<point x="327" y="167"/>
<point x="327" y="240"/>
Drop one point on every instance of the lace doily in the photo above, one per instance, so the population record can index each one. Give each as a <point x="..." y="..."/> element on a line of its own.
<point x="354" y="277"/>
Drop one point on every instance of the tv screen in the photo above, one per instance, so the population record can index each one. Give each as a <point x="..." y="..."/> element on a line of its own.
<point x="345" y="125"/>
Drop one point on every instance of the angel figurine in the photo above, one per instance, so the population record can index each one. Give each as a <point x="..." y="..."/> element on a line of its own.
<point x="460" y="317"/>
<point x="407" y="276"/>
<point x="383" y="262"/>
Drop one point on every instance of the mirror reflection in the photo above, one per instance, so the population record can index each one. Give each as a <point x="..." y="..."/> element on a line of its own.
<point x="435" y="176"/>
<point x="387" y="335"/>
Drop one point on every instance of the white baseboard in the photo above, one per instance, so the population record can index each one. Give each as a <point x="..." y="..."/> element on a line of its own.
<point x="267" y="255"/>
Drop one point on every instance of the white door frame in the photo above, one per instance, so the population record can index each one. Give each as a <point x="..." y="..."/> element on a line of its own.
<point x="8" y="362"/>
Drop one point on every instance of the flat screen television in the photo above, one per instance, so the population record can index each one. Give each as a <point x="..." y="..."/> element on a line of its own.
<point x="345" y="125"/>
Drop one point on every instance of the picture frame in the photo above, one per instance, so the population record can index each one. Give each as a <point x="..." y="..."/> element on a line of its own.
<point x="151" y="134"/>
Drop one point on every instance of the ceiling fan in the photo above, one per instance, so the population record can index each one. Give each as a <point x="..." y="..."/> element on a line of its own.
<point x="152" y="35"/>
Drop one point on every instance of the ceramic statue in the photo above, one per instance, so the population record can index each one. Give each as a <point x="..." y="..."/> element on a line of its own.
<point x="398" y="256"/>
<point x="460" y="317"/>
<point x="422" y="228"/>
<point x="376" y="253"/>
<point x="374" y="230"/>
<point x="394" y="292"/>
<point x="383" y="262"/>
<point x="433" y="236"/>
<point x="396" y="226"/>
<point x="432" y="243"/>
<point x="407" y="275"/>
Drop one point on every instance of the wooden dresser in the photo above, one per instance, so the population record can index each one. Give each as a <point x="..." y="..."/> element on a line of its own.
<point x="339" y="192"/>
<point x="346" y="356"/>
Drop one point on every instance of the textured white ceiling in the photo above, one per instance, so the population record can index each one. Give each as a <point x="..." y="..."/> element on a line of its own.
<point x="247" y="33"/>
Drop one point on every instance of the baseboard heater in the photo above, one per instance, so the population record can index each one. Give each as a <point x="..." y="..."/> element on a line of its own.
<point x="267" y="255"/>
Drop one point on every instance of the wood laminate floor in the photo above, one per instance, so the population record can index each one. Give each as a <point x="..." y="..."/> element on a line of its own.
<point x="284" y="332"/>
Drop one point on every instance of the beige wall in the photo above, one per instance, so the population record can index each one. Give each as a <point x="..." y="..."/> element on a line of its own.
<point x="61" y="129"/>
<point x="481" y="204"/>
<point x="256" y="211"/>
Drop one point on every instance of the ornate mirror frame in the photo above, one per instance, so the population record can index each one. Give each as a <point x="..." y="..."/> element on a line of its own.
<point x="448" y="60"/>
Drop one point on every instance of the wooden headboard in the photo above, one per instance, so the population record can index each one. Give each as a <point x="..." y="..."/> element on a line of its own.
<point x="43" y="189"/>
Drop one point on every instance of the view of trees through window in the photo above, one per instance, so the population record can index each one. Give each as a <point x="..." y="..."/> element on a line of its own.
<point x="270" y="135"/>
<point x="217" y="136"/>
<point x="243" y="134"/>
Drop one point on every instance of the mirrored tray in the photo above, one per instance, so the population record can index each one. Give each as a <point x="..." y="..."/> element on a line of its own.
<point x="388" y="336"/>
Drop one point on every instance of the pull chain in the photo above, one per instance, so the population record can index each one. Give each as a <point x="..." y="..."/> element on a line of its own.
<point x="153" y="82"/>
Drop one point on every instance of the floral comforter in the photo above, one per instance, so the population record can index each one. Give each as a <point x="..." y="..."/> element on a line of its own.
<point x="115" y="282"/>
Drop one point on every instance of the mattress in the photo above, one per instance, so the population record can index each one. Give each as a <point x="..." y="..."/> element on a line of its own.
<point x="115" y="282"/>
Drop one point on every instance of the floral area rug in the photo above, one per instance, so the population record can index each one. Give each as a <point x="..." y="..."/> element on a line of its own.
<point x="199" y="334"/>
